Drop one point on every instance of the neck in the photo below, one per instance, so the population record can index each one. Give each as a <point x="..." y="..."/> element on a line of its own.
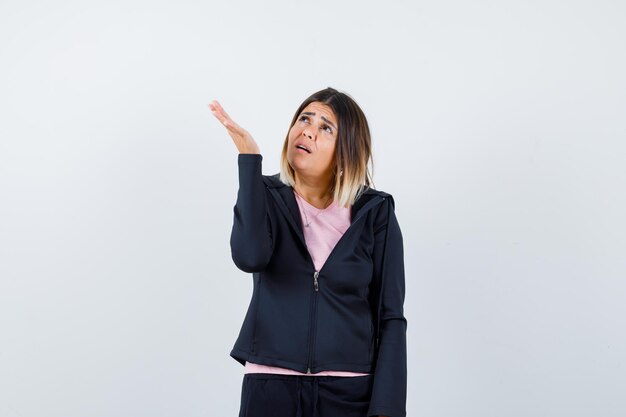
<point x="314" y="190"/>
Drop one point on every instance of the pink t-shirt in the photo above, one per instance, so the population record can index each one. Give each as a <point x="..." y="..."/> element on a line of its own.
<point x="326" y="226"/>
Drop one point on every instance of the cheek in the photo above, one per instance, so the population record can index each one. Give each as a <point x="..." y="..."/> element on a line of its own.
<point x="329" y="153"/>
<point x="330" y="147"/>
<point x="290" y="138"/>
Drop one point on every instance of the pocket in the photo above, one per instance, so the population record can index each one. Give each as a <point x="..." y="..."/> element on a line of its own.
<point x="352" y="393"/>
<point x="269" y="394"/>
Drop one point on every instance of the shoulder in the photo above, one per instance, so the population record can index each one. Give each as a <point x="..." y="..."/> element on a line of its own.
<point x="273" y="181"/>
<point x="385" y="195"/>
<point x="385" y="211"/>
<point x="388" y="202"/>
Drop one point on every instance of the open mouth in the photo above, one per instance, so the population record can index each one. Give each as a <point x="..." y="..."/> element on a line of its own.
<point x="303" y="148"/>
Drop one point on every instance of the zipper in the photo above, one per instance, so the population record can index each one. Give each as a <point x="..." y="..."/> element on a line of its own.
<point x="316" y="287"/>
<point x="361" y="213"/>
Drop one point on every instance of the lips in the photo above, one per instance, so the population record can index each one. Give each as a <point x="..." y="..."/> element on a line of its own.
<point x="300" y="145"/>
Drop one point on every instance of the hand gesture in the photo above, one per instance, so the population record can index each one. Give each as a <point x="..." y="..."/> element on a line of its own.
<point x="243" y="140"/>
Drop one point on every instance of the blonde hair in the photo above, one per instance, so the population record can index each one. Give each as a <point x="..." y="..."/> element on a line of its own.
<point x="353" y="153"/>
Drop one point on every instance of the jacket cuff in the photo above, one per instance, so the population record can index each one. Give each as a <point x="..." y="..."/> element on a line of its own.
<point x="385" y="411"/>
<point x="249" y="157"/>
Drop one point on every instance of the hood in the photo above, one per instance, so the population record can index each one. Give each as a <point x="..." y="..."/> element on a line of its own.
<point x="287" y="200"/>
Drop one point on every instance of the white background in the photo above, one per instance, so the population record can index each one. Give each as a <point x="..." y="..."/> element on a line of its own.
<point x="498" y="126"/>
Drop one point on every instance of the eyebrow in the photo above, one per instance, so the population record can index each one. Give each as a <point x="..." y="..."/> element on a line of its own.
<point x="312" y="113"/>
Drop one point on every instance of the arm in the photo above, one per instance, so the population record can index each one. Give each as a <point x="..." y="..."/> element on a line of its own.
<point x="251" y="237"/>
<point x="389" y="389"/>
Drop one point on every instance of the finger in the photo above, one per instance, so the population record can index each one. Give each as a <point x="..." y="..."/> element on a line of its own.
<point x="226" y="120"/>
<point x="219" y="115"/>
<point x="219" y="108"/>
<point x="215" y="109"/>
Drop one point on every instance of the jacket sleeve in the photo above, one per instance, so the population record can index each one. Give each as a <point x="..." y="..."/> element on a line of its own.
<point x="389" y="389"/>
<point x="251" y="241"/>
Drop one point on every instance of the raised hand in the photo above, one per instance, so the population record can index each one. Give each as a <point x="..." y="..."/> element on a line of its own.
<point x="242" y="139"/>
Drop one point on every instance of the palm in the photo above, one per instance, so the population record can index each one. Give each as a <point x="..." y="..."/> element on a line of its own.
<point x="242" y="139"/>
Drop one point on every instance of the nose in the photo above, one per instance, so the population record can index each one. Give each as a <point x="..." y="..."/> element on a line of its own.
<point x="307" y="134"/>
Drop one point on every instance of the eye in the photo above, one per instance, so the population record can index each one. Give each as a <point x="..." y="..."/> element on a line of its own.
<point x="325" y="126"/>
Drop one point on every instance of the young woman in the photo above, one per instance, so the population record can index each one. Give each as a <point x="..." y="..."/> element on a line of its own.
<point x="325" y="332"/>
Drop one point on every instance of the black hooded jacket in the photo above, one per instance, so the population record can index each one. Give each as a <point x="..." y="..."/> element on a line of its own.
<point x="348" y="316"/>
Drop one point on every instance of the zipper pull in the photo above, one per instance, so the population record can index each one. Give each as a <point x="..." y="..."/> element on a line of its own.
<point x="315" y="283"/>
<point x="308" y="370"/>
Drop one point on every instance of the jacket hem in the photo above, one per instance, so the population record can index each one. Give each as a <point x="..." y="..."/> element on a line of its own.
<point x="242" y="356"/>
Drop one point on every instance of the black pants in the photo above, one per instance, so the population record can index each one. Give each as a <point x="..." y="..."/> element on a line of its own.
<point x="276" y="395"/>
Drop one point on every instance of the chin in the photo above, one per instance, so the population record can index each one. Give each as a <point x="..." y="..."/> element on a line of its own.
<point x="297" y="163"/>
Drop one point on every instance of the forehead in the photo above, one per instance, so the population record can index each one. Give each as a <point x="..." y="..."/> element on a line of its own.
<point x="321" y="109"/>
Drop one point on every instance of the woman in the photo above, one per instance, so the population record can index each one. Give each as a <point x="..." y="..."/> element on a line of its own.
<point x="325" y="333"/>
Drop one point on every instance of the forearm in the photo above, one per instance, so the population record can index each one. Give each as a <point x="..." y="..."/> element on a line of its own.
<point x="251" y="240"/>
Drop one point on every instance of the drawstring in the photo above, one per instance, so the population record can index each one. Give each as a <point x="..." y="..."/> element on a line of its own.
<point x="299" y="397"/>
<point x="315" y="390"/>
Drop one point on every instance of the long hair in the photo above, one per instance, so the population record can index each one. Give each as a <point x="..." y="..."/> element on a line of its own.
<point x="353" y="153"/>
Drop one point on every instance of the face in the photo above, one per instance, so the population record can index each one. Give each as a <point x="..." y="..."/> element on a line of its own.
<point x="316" y="129"/>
